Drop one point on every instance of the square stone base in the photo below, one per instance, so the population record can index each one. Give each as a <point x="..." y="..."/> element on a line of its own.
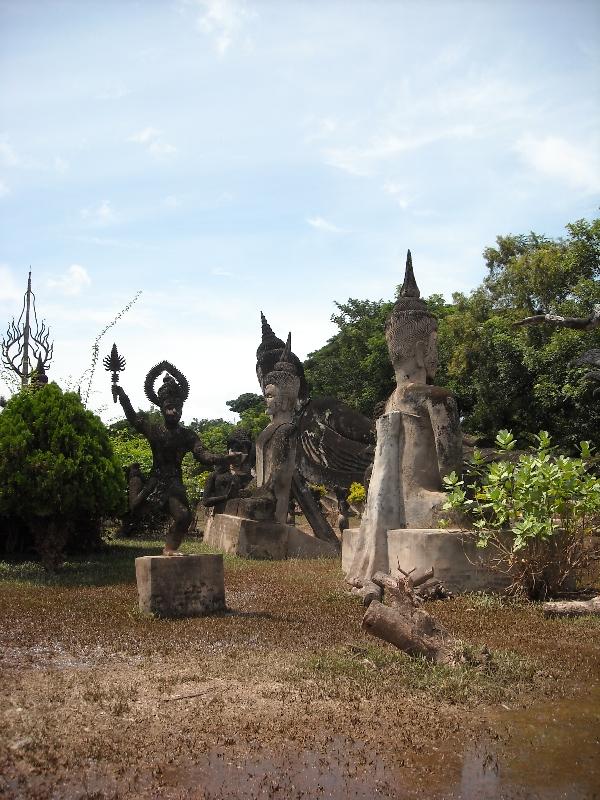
<point x="452" y="553"/>
<point x="180" y="586"/>
<point x="252" y="538"/>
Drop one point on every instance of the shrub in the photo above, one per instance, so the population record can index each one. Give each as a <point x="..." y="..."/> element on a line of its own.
<point x="357" y="493"/>
<point x="58" y="473"/>
<point x="536" y="514"/>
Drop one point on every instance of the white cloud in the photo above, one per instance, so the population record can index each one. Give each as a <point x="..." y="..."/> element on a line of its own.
<point x="320" y="128"/>
<point x="113" y="91"/>
<point x="74" y="280"/>
<point x="362" y="160"/>
<point x="60" y="164"/>
<point x="398" y="192"/>
<point x="554" y="157"/>
<point x="100" y="216"/>
<point x="151" y="139"/>
<point x="171" y="201"/>
<point x="223" y="20"/>
<point x="4" y="189"/>
<point x="9" y="290"/>
<point x="323" y="225"/>
<point x="222" y="272"/>
<point x="8" y="156"/>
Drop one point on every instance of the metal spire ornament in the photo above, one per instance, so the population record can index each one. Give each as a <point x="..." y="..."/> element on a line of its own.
<point x="114" y="363"/>
<point x="24" y="345"/>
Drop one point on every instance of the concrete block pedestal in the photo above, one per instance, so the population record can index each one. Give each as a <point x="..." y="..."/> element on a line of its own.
<point x="260" y="539"/>
<point x="180" y="586"/>
<point x="456" y="561"/>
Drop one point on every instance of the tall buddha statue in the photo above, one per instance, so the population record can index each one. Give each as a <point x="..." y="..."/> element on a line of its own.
<point x="418" y="436"/>
<point x="276" y="444"/>
<point x="431" y="436"/>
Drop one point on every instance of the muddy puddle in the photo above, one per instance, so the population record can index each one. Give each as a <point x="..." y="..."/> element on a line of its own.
<point x="549" y="752"/>
<point x="546" y="752"/>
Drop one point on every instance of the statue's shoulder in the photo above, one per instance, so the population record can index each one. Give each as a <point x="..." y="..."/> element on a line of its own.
<point x="419" y="398"/>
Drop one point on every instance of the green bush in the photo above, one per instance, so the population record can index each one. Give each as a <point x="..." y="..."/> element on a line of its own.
<point x="536" y="513"/>
<point x="357" y="493"/>
<point x="58" y="473"/>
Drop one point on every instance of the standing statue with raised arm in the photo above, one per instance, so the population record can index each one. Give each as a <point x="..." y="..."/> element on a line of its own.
<point x="169" y="441"/>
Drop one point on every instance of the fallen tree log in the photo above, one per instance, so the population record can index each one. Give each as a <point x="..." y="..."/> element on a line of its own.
<point x="572" y="608"/>
<point x="405" y="623"/>
<point x="415" y="634"/>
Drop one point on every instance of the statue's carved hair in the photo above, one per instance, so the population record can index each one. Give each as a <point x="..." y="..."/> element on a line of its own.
<point x="270" y="352"/>
<point x="284" y="374"/>
<point x="175" y="387"/>
<point x="410" y="320"/>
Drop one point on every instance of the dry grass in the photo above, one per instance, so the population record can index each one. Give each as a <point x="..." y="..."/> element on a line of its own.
<point x="93" y="690"/>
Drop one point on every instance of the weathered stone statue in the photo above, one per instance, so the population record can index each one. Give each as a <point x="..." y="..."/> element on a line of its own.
<point x="170" y="441"/>
<point x="418" y="436"/>
<point x="431" y="437"/>
<point x="276" y="444"/>
<point x="335" y="442"/>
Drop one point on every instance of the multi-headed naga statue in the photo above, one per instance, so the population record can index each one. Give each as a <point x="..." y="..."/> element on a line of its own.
<point x="169" y="442"/>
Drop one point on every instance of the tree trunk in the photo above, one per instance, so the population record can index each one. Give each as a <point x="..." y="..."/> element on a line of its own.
<point x="573" y="608"/>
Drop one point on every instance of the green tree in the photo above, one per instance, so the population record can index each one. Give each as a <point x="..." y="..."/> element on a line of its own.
<point x="502" y="376"/>
<point x="58" y="473"/>
<point x="522" y="378"/>
<point x="354" y="365"/>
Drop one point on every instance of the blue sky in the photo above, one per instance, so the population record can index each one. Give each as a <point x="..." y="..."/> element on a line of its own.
<point x="226" y="157"/>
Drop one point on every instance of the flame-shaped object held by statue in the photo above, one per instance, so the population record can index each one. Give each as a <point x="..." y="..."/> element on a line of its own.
<point x="114" y="363"/>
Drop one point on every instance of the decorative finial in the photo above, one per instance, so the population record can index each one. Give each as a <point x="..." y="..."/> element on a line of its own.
<point x="409" y="287"/>
<point x="114" y="363"/>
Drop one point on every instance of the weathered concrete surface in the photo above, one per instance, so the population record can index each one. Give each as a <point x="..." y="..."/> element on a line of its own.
<point x="180" y="586"/>
<point x="264" y="539"/>
<point x="452" y="553"/>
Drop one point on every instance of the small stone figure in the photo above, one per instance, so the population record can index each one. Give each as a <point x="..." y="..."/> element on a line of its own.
<point x="344" y="510"/>
<point x="170" y="442"/>
<point x="239" y="443"/>
<point x="221" y="485"/>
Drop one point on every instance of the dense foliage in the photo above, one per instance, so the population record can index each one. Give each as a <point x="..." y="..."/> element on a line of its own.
<point x="502" y="376"/>
<point x="535" y="513"/>
<point x="58" y="472"/>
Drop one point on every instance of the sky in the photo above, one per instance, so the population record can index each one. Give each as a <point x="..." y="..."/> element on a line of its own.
<point x="225" y="157"/>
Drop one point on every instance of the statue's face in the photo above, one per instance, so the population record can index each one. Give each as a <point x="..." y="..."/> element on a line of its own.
<point x="172" y="414"/>
<point x="272" y="399"/>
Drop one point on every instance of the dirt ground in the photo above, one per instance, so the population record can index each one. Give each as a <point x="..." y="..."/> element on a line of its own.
<point x="281" y="697"/>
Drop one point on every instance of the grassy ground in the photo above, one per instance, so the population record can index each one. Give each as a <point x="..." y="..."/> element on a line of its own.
<point x="101" y="701"/>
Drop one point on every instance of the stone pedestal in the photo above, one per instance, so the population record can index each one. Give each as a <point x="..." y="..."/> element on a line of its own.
<point x="452" y="553"/>
<point x="252" y="538"/>
<point x="180" y="586"/>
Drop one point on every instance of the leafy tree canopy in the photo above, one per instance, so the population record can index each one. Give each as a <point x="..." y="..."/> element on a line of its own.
<point x="502" y="376"/>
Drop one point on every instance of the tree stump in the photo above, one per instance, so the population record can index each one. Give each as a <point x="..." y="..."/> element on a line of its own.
<point x="404" y="623"/>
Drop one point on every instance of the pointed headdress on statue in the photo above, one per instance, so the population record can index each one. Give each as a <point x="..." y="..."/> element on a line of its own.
<point x="410" y="320"/>
<point x="174" y="389"/>
<point x="269" y="353"/>
<point x="284" y="374"/>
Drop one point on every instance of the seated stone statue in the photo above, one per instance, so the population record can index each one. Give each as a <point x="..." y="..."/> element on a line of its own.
<point x="431" y="439"/>
<point x="170" y="442"/>
<point x="276" y="444"/>
<point x="418" y="436"/>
